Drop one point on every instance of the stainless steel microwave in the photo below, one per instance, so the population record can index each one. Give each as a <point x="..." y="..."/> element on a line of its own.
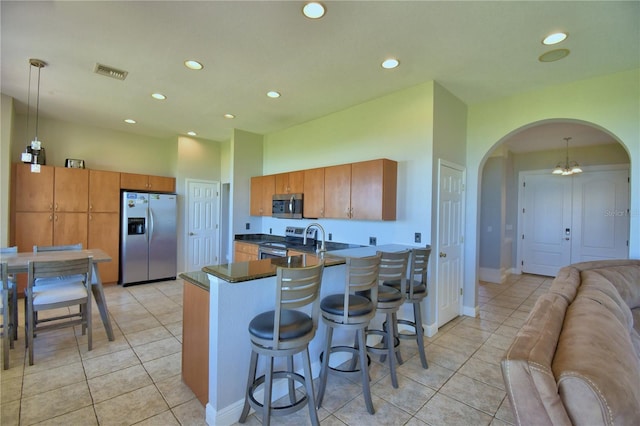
<point x="287" y="206"/>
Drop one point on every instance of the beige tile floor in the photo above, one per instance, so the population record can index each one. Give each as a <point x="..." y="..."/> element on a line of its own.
<point x="136" y="378"/>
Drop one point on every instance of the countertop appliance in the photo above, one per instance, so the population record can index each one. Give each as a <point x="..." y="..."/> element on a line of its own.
<point x="148" y="238"/>
<point x="287" y="206"/>
<point x="293" y="239"/>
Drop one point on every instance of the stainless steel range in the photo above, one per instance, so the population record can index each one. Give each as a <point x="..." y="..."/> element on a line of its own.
<point x="294" y="239"/>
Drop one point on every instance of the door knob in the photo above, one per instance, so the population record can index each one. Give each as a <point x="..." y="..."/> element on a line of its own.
<point x="443" y="254"/>
<point x="191" y="234"/>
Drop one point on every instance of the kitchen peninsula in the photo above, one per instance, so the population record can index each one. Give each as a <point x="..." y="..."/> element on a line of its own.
<point x="238" y="292"/>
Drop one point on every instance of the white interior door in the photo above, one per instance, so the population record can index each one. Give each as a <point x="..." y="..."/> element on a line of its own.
<point x="574" y="219"/>
<point x="449" y="274"/>
<point x="202" y="224"/>
<point x="600" y="216"/>
<point x="546" y="217"/>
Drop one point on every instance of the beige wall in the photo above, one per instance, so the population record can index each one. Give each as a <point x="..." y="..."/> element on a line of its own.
<point x="101" y="149"/>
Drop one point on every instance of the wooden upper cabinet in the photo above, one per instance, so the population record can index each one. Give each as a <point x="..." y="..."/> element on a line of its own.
<point x="139" y="182"/>
<point x="313" y="193"/>
<point x="33" y="192"/>
<point x="337" y="191"/>
<point x="289" y="183"/>
<point x="71" y="190"/>
<point x="262" y="190"/>
<point x="373" y="190"/>
<point x="134" y="181"/>
<point x="162" y="184"/>
<point x="104" y="191"/>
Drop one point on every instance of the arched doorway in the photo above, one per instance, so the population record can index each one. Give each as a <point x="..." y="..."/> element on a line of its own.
<point x="534" y="150"/>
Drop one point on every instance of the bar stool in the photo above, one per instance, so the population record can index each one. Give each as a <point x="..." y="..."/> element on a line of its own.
<point x="414" y="291"/>
<point x="351" y="311"/>
<point x="393" y="267"/>
<point x="285" y="332"/>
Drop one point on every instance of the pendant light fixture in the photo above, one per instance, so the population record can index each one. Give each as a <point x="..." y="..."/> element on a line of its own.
<point x="35" y="152"/>
<point x="569" y="167"/>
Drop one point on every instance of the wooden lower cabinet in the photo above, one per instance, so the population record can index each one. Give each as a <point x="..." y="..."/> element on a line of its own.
<point x="195" y="340"/>
<point x="245" y="252"/>
<point x="103" y="234"/>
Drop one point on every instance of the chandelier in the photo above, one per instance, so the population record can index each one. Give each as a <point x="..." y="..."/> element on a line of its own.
<point x="35" y="151"/>
<point x="569" y="167"/>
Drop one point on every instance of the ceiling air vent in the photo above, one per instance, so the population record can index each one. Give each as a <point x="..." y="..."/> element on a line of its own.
<point x="110" y="72"/>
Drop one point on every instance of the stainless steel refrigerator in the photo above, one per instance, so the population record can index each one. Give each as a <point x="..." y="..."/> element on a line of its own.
<point x="148" y="240"/>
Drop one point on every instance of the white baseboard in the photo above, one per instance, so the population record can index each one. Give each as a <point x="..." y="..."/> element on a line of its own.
<point x="492" y="275"/>
<point x="430" y="330"/>
<point x="470" y="311"/>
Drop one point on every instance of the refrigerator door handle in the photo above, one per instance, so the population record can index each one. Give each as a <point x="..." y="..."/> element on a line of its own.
<point x="150" y="225"/>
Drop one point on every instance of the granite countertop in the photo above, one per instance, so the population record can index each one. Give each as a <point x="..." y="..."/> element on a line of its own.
<point x="255" y="269"/>
<point x="264" y="238"/>
<point x="199" y="278"/>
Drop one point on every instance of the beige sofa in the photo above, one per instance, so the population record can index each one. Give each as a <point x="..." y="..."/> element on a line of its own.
<point x="576" y="360"/>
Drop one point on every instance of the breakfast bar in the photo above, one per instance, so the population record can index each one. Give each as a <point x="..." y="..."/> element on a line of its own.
<point x="239" y="291"/>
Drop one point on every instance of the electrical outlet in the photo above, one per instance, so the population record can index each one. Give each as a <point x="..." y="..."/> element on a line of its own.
<point x="372" y="241"/>
<point x="418" y="237"/>
<point x="330" y="236"/>
<point x="247" y="225"/>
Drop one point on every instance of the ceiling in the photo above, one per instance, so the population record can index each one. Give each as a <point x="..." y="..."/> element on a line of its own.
<point x="477" y="50"/>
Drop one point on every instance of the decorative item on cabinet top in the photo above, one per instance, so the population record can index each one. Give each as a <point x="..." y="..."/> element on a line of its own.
<point x="74" y="163"/>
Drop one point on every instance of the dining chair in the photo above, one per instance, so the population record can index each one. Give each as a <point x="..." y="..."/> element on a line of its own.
<point x="62" y="279"/>
<point x="12" y="295"/>
<point x="65" y="294"/>
<point x="284" y="332"/>
<point x="7" y="326"/>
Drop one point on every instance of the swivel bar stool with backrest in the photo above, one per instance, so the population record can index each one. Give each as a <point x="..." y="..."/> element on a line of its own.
<point x="13" y="296"/>
<point x="393" y="266"/>
<point x="415" y="290"/>
<point x="284" y="332"/>
<point x="351" y="311"/>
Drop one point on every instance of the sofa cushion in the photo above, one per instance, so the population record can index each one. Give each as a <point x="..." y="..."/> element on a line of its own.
<point x="626" y="280"/>
<point x="596" y="366"/>
<point x="526" y="366"/>
<point x="600" y="289"/>
<point x="566" y="283"/>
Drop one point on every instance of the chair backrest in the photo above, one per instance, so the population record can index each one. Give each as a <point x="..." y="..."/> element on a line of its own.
<point x="68" y="247"/>
<point x="393" y="267"/>
<point x="362" y="277"/>
<point x="59" y="268"/>
<point x="8" y="250"/>
<point x="296" y="288"/>
<point x="4" y="276"/>
<point x="418" y="268"/>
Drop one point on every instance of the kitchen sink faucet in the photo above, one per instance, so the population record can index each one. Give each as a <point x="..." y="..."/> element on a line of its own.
<point x="322" y="250"/>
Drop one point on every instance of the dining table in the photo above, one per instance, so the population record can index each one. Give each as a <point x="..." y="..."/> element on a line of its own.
<point x="18" y="263"/>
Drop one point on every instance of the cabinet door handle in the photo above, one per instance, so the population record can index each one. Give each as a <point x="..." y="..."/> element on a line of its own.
<point x="56" y="206"/>
<point x="56" y="218"/>
<point x="50" y="207"/>
<point x="50" y="218"/>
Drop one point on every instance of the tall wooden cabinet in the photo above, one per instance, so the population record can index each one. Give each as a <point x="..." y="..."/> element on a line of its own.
<point x="104" y="220"/>
<point x="50" y="208"/>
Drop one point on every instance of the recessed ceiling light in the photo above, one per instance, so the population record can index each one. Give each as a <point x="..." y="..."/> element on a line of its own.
<point x="229" y="116"/>
<point x="554" y="55"/>
<point x="192" y="133"/>
<point x="130" y="121"/>
<point x="158" y="96"/>
<point x="273" y="94"/>
<point x="554" y="38"/>
<point x="390" y="63"/>
<point x="313" y="10"/>
<point x="193" y="65"/>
